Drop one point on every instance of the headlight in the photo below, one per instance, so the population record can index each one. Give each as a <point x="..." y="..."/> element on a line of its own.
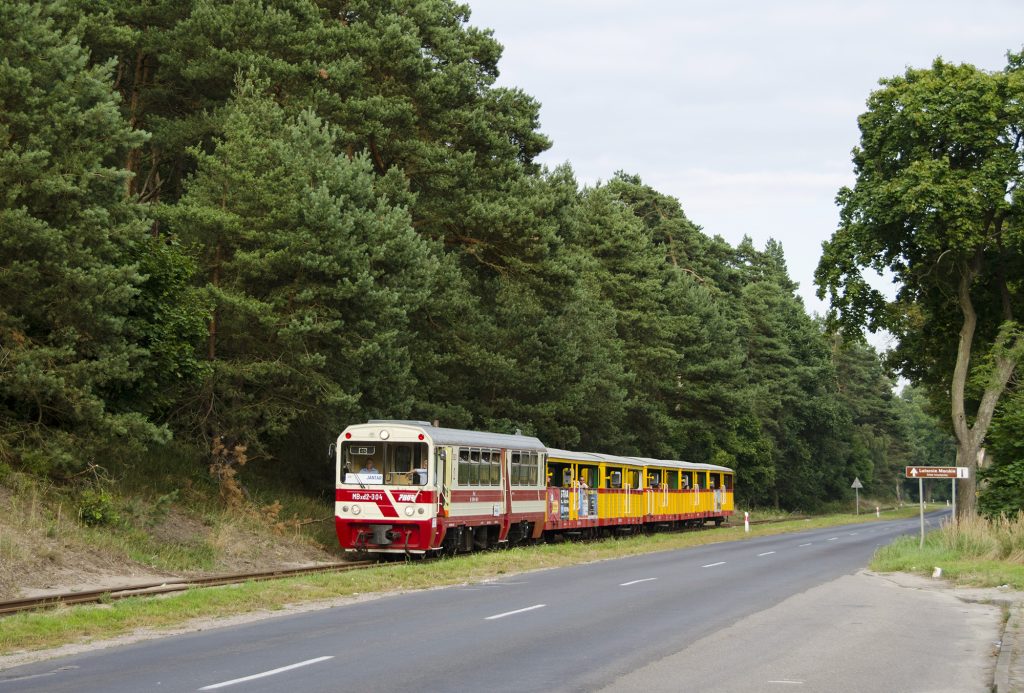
<point x="356" y="510"/>
<point x="419" y="510"/>
<point x="344" y="508"/>
<point x="409" y="511"/>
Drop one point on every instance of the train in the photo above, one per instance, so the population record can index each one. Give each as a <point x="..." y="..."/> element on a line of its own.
<point x="415" y="488"/>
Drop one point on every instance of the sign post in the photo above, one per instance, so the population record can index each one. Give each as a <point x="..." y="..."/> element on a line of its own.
<point x="857" y="486"/>
<point x="922" y="473"/>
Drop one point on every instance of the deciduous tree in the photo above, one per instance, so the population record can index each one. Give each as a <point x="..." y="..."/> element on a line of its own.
<point x="938" y="169"/>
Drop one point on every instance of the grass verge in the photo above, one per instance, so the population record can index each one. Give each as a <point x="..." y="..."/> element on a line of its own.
<point x="975" y="552"/>
<point x="64" y="625"/>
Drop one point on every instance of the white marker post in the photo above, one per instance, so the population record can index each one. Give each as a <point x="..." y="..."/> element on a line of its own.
<point x="746" y="522"/>
<point x="920" y="498"/>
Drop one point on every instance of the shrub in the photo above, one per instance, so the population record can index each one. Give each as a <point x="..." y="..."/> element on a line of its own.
<point x="96" y="508"/>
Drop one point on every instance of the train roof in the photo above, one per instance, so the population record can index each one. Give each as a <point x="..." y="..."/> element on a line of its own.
<point x="596" y="457"/>
<point x="457" y="436"/>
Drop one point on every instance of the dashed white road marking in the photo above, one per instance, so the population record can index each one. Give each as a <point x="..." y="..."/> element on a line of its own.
<point x="517" y="611"/>
<point x="634" y="582"/>
<point x="264" y="674"/>
<point x="766" y="553"/>
<point x="712" y="565"/>
<point x="807" y="544"/>
<point x="833" y="538"/>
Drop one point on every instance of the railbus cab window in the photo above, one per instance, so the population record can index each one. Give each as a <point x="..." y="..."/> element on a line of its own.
<point x="381" y="462"/>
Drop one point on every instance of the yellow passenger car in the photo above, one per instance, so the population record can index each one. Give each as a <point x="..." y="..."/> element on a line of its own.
<point x="592" y="494"/>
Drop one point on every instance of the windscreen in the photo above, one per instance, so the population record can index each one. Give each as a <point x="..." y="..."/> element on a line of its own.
<point x="390" y="463"/>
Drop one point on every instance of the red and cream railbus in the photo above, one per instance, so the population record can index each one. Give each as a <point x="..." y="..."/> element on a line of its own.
<point x="410" y="487"/>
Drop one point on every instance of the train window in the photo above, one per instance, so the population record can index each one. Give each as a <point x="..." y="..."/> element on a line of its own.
<point x="634" y="478"/>
<point x="654" y="479"/>
<point x="672" y="479"/>
<point x="728" y="482"/>
<point x="464" y="467"/>
<point x="474" y="467"/>
<point x="614" y="478"/>
<point x="589" y="475"/>
<point x="403" y="458"/>
<point x="494" y="462"/>
<point x="528" y="465"/>
<point x="391" y="463"/>
<point x="714" y="481"/>
<point x="687" y="480"/>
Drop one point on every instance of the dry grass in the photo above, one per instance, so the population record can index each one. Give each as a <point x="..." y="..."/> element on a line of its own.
<point x="974" y="551"/>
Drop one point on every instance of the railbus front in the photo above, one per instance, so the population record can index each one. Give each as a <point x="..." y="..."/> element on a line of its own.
<point x="410" y="487"/>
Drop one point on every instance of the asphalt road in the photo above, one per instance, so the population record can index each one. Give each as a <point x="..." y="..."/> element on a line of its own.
<point x="574" y="629"/>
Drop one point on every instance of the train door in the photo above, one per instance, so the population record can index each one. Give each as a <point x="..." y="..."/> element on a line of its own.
<point x="614" y="505"/>
<point x="506" y="491"/>
<point x="652" y="480"/>
<point x="715" y="486"/>
<point x="443" y="479"/>
<point x="588" y="481"/>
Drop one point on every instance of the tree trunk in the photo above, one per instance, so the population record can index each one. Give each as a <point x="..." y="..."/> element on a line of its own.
<point x="969" y="439"/>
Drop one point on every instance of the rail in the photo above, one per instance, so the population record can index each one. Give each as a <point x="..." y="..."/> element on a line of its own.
<point x="169" y="586"/>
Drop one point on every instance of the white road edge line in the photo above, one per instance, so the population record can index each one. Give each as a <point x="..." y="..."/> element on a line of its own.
<point x="232" y="682"/>
<point x="712" y="565"/>
<point x="766" y="553"/>
<point x="517" y="611"/>
<point x="634" y="582"/>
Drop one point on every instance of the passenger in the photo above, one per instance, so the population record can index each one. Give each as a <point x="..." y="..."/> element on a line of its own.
<point x="420" y="473"/>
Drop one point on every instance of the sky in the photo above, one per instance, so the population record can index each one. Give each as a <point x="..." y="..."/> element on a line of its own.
<point x="745" y="111"/>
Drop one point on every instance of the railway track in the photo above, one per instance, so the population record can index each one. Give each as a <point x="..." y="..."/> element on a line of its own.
<point x="14" y="606"/>
<point x="169" y="586"/>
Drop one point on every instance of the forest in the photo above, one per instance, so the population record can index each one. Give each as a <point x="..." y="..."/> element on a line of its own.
<point x="246" y="225"/>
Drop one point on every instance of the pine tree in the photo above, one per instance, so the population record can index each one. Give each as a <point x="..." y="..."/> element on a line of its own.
<point x="313" y="273"/>
<point x="71" y="244"/>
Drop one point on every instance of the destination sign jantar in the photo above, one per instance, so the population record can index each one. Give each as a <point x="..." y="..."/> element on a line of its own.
<point x="936" y="472"/>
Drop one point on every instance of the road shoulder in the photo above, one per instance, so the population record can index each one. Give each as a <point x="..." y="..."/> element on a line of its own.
<point x="865" y="631"/>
